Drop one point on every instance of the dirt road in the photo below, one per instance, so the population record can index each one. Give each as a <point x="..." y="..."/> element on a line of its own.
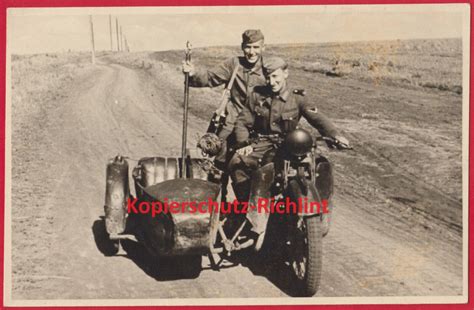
<point x="58" y="196"/>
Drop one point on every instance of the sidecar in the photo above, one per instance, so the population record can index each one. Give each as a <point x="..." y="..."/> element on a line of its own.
<point x="161" y="216"/>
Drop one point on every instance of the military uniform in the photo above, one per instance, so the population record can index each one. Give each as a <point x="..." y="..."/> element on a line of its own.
<point x="247" y="77"/>
<point x="272" y="111"/>
<point x="268" y="115"/>
<point x="245" y="80"/>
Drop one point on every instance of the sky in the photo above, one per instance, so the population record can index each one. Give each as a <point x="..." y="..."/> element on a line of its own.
<point x="162" y="28"/>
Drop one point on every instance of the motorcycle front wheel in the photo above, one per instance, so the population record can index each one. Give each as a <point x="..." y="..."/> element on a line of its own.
<point x="306" y="253"/>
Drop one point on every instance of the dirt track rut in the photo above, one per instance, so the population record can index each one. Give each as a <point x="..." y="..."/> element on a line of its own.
<point x="114" y="109"/>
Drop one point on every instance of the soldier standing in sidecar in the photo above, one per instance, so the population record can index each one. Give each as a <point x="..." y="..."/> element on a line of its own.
<point x="240" y="75"/>
<point x="273" y="111"/>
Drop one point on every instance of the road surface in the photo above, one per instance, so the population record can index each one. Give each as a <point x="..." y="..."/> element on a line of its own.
<point x="59" y="161"/>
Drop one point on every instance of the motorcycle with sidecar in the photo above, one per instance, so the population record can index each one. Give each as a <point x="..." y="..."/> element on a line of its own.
<point x="296" y="172"/>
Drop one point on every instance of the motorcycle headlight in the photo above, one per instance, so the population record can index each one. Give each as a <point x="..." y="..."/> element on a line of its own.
<point x="298" y="142"/>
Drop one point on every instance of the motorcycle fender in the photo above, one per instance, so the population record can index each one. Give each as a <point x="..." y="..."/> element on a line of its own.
<point x="262" y="180"/>
<point x="309" y="204"/>
<point x="324" y="179"/>
<point x="116" y="195"/>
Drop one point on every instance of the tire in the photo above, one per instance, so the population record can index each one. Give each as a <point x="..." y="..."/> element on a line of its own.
<point x="307" y="268"/>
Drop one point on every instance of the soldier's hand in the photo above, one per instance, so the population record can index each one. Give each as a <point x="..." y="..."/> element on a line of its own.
<point x="245" y="151"/>
<point x="342" y="142"/>
<point x="188" y="67"/>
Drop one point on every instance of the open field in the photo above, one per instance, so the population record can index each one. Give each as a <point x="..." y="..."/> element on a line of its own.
<point x="398" y="223"/>
<point x="383" y="109"/>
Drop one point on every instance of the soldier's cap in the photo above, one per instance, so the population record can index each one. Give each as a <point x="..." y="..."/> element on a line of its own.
<point x="271" y="64"/>
<point x="251" y="36"/>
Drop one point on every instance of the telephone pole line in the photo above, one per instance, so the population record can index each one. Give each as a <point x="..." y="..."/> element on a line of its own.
<point x="92" y="39"/>
<point x="127" y="48"/>
<point x="117" y="31"/>
<point x="110" y="32"/>
<point x="121" y="39"/>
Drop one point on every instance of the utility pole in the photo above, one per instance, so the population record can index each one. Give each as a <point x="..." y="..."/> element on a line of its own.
<point x="121" y="39"/>
<point x="110" y="32"/>
<point x="117" y="31"/>
<point x="92" y="39"/>
<point x="126" y="44"/>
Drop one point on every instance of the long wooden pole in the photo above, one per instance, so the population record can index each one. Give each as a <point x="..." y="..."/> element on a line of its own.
<point x="121" y="40"/>
<point x="110" y="32"/>
<point x="92" y="39"/>
<point x="127" y="49"/>
<point x="117" y="31"/>
<point x="185" y="113"/>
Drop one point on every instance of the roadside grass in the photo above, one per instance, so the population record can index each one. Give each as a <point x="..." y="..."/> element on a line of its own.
<point x="39" y="79"/>
<point x="39" y="84"/>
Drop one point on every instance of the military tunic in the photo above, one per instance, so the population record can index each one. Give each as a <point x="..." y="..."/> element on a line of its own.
<point x="246" y="79"/>
<point x="269" y="114"/>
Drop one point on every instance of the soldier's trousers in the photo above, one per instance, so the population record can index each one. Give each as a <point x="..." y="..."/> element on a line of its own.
<point x="241" y="167"/>
<point x="220" y="158"/>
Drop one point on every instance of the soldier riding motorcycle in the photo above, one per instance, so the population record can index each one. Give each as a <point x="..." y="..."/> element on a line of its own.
<point x="277" y="163"/>
<point x="274" y="160"/>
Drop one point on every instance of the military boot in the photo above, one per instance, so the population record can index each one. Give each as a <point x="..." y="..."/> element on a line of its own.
<point x="262" y="180"/>
<point x="241" y="191"/>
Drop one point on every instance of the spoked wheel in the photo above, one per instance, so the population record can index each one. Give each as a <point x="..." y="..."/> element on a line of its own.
<point x="306" y="255"/>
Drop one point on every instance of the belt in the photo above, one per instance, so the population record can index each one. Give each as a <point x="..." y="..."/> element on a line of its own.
<point x="276" y="137"/>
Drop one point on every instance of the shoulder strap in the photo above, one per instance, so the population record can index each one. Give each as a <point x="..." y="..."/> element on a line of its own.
<point x="234" y="74"/>
<point x="225" y="97"/>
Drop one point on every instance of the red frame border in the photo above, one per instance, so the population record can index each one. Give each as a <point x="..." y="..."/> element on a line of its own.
<point x="4" y="5"/>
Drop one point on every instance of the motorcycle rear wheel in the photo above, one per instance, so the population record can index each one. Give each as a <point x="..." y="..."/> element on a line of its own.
<point x="306" y="256"/>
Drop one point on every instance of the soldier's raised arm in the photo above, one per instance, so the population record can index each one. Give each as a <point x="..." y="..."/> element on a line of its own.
<point x="213" y="77"/>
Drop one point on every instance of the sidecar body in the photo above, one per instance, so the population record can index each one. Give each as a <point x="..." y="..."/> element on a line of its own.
<point x="172" y="211"/>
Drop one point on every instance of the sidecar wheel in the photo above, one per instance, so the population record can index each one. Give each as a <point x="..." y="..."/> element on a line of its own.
<point x="306" y="257"/>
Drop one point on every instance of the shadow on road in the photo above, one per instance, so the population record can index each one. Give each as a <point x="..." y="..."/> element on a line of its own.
<point x="270" y="261"/>
<point x="273" y="267"/>
<point x="101" y="238"/>
<point x="159" y="268"/>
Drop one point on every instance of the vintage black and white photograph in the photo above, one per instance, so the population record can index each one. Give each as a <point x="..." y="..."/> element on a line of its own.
<point x="237" y="155"/>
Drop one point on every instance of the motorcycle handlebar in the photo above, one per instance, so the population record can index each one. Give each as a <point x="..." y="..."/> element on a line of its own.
<point x="334" y="143"/>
